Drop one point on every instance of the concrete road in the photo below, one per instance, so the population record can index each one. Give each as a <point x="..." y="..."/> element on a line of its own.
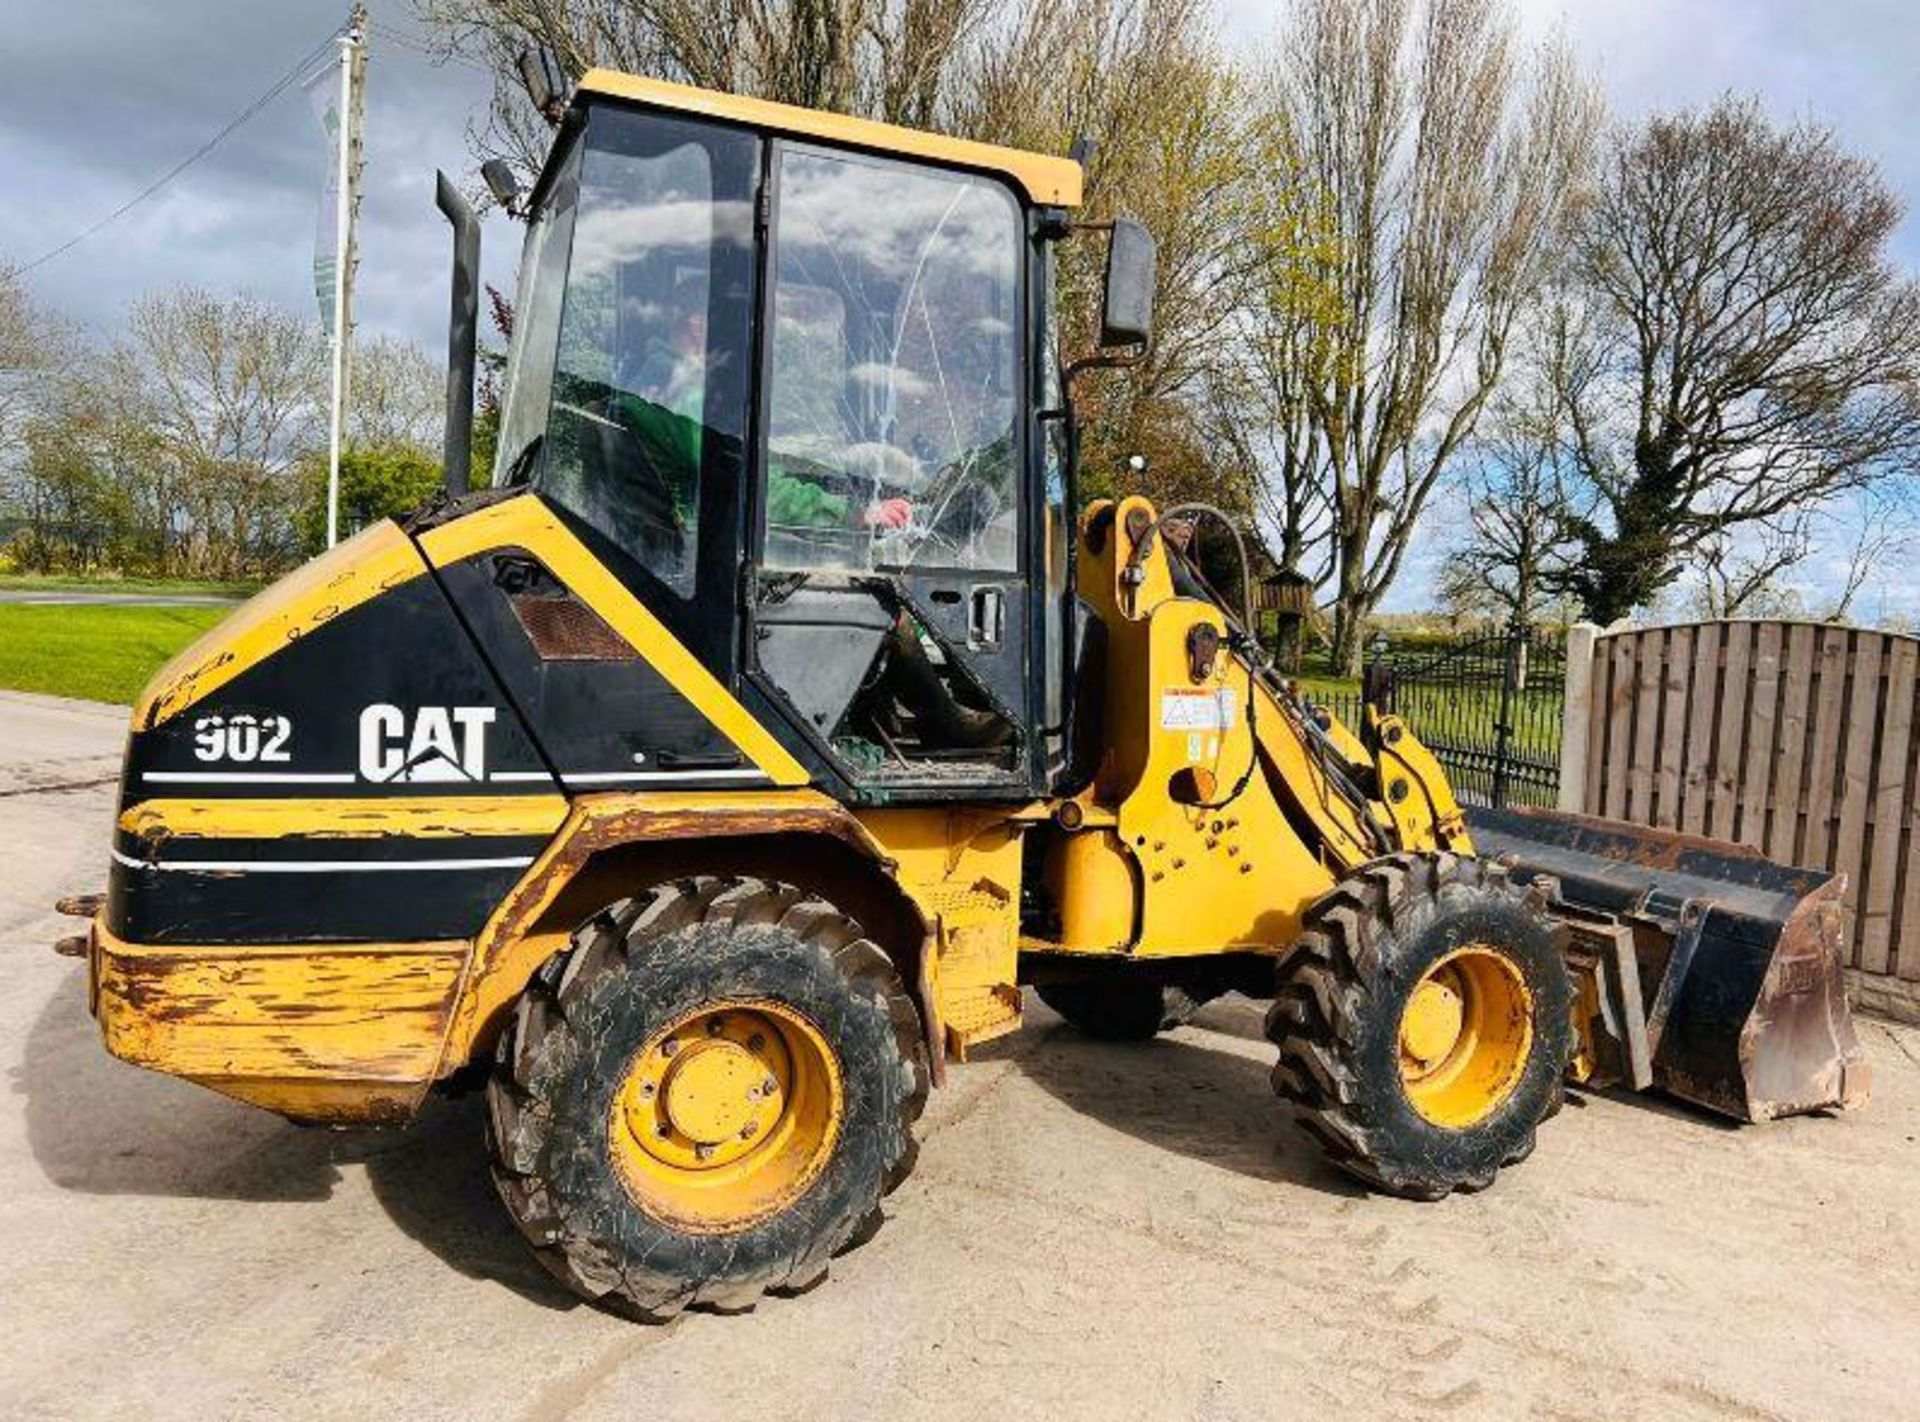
<point x="1093" y="1231"/>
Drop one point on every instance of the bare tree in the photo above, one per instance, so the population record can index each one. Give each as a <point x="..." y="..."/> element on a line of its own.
<point x="888" y="59"/>
<point x="1260" y="408"/>
<point x="1886" y="534"/>
<point x="1741" y="569"/>
<point x="398" y="396"/>
<point x="35" y="347"/>
<point x="1512" y="559"/>
<point x="1176" y="143"/>
<point x="1447" y="162"/>
<point x="233" y="393"/>
<point x="1515" y="541"/>
<point x="1756" y="354"/>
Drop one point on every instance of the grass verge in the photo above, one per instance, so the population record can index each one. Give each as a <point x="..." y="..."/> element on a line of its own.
<point x="97" y="653"/>
<point x="148" y="587"/>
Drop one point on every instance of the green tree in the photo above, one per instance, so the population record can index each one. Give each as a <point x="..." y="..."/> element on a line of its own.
<point x="376" y="482"/>
<point x="1754" y="352"/>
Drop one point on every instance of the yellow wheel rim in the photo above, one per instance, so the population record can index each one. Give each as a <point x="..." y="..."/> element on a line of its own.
<point x="1465" y="1035"/>
<point x="726" y="1117"/>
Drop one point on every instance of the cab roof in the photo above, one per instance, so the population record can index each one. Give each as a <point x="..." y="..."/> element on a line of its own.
<point x="1045" y="180"/>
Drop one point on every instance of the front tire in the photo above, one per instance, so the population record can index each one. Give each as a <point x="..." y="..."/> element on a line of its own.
<point x="1424" y="1023"/>
<point x="705" y="1097"/>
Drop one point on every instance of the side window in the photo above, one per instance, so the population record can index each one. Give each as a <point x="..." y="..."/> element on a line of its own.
<point x="648" y="386"/>
<point x="895" y="370"/>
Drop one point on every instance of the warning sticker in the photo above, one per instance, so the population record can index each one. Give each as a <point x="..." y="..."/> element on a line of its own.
<point x="1199" y="710"/>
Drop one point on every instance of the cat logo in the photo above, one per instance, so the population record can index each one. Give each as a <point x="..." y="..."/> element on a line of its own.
<point x="440" y="745"/>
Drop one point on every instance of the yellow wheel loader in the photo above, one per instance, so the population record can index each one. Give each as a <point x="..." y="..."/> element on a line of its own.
<point x="722" y="772"/>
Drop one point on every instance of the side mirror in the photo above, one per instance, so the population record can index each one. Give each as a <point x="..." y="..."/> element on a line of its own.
<point x="1126" y="317"/>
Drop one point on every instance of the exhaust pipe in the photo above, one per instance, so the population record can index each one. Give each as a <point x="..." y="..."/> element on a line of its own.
<point x="462" y="333"/>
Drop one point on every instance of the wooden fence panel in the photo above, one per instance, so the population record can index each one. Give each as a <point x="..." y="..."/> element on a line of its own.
<point x="1736" y="720"/>
<point x="1802" y="740"/>
<point x="1697" y="779"/>
<point x="1648" y="686"/>
<point x="1675" y="673"/>
<point x="1753" y="790"/>
<point x="1826" y="726"/>
<point x="1616" y="715"/>
<point x="1890" y="784"/>
<point x="1790" y="747"/>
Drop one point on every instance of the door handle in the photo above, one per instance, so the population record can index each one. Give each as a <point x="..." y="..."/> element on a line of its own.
<point x="986" y="619"/>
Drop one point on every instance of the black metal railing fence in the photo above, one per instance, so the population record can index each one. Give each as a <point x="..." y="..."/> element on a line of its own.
<point x="1488" y="704"/>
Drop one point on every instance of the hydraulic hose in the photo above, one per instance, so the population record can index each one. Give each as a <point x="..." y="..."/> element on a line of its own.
<point x="1249" y="646"/>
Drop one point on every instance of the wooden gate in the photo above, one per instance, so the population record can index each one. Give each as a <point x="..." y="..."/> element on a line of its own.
<point x="1797" y="738"/>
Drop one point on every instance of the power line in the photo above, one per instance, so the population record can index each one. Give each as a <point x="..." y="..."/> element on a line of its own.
<point x="279" y="87"/>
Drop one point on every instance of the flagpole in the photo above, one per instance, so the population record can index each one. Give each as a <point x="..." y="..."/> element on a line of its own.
<point x="342" y="270"/>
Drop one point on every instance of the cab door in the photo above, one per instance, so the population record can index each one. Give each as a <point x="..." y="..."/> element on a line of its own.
<point x="892" y="458"/>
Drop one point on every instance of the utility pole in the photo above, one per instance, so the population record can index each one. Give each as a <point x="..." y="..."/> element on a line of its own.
<point x="350" y="158"/>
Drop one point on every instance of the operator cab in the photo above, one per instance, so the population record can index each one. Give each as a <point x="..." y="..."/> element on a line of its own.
<point x="792" y="378"/>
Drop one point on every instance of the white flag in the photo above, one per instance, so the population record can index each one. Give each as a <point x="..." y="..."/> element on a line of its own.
<point x="323" y="92"/>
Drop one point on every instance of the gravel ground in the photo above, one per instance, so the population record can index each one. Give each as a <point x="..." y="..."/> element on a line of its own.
<point x="1094" y="1231"/>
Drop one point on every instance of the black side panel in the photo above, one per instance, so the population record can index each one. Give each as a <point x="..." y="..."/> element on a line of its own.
<point x="404" y="649"/>
<point x="983" y="618"/>
<point x="819" y="644"/>
<point x="388" y="699"/>
<point x="314" y="890"/>
<point x="604" y="716"/>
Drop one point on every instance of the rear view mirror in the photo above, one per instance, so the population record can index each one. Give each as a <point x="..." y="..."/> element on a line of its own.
<point x="1126" y="318"/>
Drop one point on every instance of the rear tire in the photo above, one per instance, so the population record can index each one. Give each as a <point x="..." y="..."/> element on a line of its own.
<point x="1121" y="1010"/>
<point x="1409" y="1118"/>
<point x="647" y="1191"/>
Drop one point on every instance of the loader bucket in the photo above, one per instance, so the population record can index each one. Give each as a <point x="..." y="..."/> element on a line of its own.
<point x="1742" y="959"/>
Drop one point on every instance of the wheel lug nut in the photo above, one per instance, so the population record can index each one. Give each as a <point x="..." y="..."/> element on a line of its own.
<point x="703" y="1152"/>
<point x="769" y="1086"/>
<point x="669" y="1047"/>
<point x="748" y="1131"/>
<point x="647" y="1090"/>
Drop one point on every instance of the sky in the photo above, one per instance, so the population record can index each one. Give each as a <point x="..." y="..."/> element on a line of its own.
<point x="103" y="96"/>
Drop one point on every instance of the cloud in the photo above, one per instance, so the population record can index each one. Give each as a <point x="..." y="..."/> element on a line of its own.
<point x="101" y="98"/>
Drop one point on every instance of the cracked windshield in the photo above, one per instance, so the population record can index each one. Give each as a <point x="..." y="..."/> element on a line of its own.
<point x="896" y="300"/>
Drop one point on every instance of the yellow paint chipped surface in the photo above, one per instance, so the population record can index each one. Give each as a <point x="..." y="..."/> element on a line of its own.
<point x="348" y="1029"/>
<point x="408" y="817"/>
<point x="360" y="569"/>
